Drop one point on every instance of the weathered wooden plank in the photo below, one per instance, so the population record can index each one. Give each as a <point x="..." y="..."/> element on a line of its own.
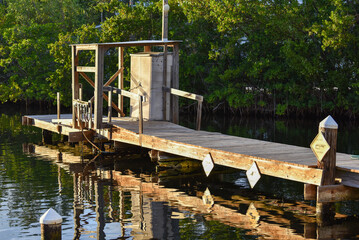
<point x="85" y="69"/>
<point x="184" y="94"/>
<point x="294" y="172"/>
<point x="348" y="177"/>
<point x="122" y="92"/>
<point x="79" y="136"/>
<point x="80" y="47"/>
<point x="130" y="44"/>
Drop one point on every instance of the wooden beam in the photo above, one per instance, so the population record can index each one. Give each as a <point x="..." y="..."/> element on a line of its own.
<point x="295" y="172"/>
<point x="142" y="43"/>
<point x="80" y="47"/>
<point x="122" y="92"/>
<point x="347" y="177"/>
<point x="120" y="78"/>
<point x="120" y="112"/>
<point x="325" y="211"/>
<point x="175" y="83"/>
<point x="119" y="71"/>
<point x="75" y="83"/>
<point x="310" y="192"/>
<point x="199" y="116"/>
<point x="337" y="193"/>
<point x="85" y="69"/>
<point x="164" y="95"/>
<point x="99" y="74"/>
<point x="79" y="136"/>
<point x="184" y="94"/>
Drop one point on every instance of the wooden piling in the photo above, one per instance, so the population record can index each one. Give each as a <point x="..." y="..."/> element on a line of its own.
<point x="51" y="225"/>
<point x="329" y="128"/>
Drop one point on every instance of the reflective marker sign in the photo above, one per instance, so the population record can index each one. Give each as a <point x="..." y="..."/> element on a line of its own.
<point x="319" y="146"/>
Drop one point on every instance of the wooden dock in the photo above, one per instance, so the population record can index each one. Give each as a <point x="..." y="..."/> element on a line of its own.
<point x="153" y="124"/>
<point x="273" y="159"/>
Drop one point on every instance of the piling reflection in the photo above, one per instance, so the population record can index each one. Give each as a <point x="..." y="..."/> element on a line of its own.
<point x="120" y="199"/>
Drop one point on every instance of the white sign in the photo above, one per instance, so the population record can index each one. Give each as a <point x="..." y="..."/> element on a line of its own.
<point x="208" y="164"/>
<point x="253" y="175"/>
<point x="319" y="146"/>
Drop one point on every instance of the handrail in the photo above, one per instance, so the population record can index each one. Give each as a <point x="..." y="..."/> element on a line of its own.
<point x="83" y="112"/>
<point x="128" y="94"/>
<point x="192" y="96"/>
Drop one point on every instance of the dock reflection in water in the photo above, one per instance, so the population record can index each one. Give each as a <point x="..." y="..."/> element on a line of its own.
<point x="118" y="199"/>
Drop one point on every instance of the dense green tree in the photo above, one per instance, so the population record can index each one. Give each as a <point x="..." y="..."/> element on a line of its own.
<point x="278" y="56"/>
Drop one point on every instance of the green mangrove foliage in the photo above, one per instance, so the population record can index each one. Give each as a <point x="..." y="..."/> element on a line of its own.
<point x="278" y="56"/>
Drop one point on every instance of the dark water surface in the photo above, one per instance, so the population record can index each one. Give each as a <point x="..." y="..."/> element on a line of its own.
<point x="128" y="197"/>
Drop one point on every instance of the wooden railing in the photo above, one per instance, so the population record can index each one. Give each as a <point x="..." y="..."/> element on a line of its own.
<point x="192" y="96"/>
<point x="128" y="94"/>
<point x="83" y="114"/>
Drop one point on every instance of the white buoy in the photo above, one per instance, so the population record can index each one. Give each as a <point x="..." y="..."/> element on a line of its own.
<point x="51" y="225"/>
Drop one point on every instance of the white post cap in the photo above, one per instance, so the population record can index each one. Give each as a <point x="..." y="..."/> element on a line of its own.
<point x="328" y="122"/>
<point x="51" y="217"/>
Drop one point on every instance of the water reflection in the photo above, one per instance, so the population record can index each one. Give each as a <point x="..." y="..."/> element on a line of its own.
<point x="120" y="199"/>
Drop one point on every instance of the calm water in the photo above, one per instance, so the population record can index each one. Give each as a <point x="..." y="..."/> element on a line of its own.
<point x="128" y="197"/>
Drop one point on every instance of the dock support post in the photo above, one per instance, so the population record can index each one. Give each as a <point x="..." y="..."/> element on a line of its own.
<point x="46" y="137"/>
<point x="51" y="225"/>
<point x="329" y="128"/>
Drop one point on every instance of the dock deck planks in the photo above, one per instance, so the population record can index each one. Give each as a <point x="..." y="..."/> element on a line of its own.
<point x="274" y="159"/>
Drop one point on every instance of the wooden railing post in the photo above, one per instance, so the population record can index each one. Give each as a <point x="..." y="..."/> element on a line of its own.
<point x="329" y="128"/>
<point x="140" y="115"/>
<point x="90" y="117"/>
<point x="58" y="107"/>
<point x="199" y="115"/>
<point x="110" y="105"/>
<point x="80" y="91"/>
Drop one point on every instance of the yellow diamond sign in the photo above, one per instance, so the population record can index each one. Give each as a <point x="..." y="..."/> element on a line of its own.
<point x="319" y="146"/>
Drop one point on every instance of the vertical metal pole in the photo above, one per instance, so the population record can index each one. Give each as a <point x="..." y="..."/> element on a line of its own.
<point x="165" y="20"/>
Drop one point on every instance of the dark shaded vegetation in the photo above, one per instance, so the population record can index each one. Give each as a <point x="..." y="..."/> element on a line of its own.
<point x="282" y="57"/>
